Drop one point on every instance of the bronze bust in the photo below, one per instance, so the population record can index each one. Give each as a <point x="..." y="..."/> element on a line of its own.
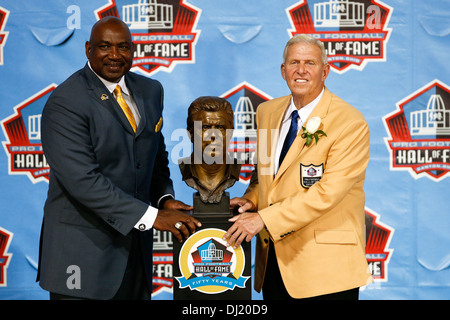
<point x="210" y="170"/>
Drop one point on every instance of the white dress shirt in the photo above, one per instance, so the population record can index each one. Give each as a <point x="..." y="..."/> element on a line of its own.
<point x="286" y="123"/>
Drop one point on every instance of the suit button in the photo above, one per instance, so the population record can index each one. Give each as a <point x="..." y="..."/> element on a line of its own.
<point x="138" y="165"/>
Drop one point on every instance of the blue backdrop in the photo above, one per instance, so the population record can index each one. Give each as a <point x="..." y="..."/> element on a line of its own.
<point x="389" y="60"/>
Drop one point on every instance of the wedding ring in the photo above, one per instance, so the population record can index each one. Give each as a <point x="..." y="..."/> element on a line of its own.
<point x="178" y="225"/>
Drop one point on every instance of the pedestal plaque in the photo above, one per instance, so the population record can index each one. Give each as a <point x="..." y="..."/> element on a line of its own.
<point x="204" y="268"/>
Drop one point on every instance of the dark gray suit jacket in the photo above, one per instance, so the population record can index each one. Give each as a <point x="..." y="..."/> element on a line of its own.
<point x="103" y="177"/>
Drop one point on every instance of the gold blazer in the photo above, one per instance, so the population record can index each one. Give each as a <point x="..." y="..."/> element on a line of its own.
<point x="313" y="208"/>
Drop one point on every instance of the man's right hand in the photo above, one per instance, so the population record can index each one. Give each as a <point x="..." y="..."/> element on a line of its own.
<point x="167" y="219"/>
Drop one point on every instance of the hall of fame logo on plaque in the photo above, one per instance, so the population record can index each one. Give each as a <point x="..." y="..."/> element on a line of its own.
<point x="208" y="265"/>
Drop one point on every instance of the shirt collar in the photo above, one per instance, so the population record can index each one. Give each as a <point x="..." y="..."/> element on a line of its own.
<point x="112" y="85"/>
<point x="303" y="112"/>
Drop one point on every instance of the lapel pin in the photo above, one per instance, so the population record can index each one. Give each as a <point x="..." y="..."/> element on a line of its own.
<point x="104" y="97"/>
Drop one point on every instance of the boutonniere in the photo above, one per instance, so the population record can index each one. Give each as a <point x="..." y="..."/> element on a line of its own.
<point x="311" y="131"/>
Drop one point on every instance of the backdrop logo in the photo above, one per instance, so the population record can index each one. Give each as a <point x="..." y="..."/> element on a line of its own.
<point x="5" y="257"/>
<point x="353" y="31"/>
<point x="378" y="238"/>
<point x="162" y="262"/>
<point x="208" y="266"/>
<point x="23" y="132"/>
<point x="245" y="100"/>
<point x="3" y="34"/>
<point x="419" y="132"/>
<point x="163" y="31"/>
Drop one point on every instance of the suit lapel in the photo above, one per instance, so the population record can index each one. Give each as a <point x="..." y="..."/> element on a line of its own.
<point x="139" y="101"/>
<point x="271" y="135"/>
<point x="105" y="98"/>
<point x="114" y="105"/>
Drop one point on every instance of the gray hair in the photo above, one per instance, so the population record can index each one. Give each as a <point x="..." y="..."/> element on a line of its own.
<point x="306" y="38"/>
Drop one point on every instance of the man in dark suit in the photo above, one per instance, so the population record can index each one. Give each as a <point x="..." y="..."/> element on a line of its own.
<point x="109" y="180"/>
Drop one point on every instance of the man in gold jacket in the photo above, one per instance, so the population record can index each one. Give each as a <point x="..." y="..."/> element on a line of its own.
<point x="308" y="210"/>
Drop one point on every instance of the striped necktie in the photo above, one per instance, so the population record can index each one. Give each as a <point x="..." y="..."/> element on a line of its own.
<point x="126" y="109"/>
<point x="292" y="133"/>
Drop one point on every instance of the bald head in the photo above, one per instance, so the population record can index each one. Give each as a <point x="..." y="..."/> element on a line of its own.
<point x="109" y="49"/>
<point x="107" y="22"/>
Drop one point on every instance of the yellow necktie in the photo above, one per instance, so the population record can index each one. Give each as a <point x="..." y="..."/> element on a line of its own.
<point x="126" y="109"/>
